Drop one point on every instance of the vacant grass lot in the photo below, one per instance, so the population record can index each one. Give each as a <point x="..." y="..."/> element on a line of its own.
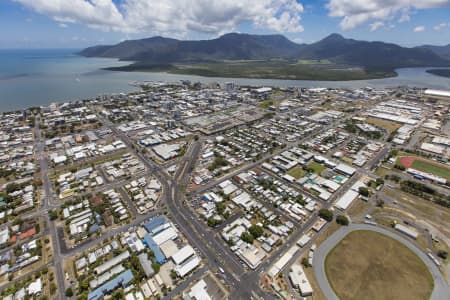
<point x="368" y="265"/>
<point x="388" y="125"/>
<point x="297" y="172"/>
<point x="266" y="103"/>
<point x="316" y="167"/>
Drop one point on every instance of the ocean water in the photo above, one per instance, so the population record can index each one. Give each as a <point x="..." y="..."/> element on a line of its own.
<point x="42" y="76"/>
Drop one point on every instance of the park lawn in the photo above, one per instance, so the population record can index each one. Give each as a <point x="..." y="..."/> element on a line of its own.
<point x="422" y="207"/>
<point x="266" y="103"/>
<point x="369" y="265"/>
<point x="432" y="168"/>
<point x="297" y="172"/>
<point x="347" y="160"/>
<point x="388" y="125"/>
<point x="358" y="208"/>
<point x="317" y="168"/>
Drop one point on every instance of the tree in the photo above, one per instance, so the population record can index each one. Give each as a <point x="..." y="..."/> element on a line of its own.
<point x="326" y="214"/>
<point x="69" y="292"/>
<point x="118" y="294"/>
<point x="442" y="254"/>
<point x="305" y="262"/>
<point x="399" y="167"/>
<point x="12" y="187"/>
<point x="53" y="288"/>
<point x="380" y="203"/>
<point x="379" y="181"/>
<point x="247" y="237"/>
<point x="256" y="231"/>
<point x="220" y="206"/>
<point x="212" y="222"/>
<point x="299" y="199"/>
<point x="363" y="191"/>
<point x="156" y="267"/>
<point x="53" y="215"/>
<point x="173" y="274"/>
<point x="342" y="220"/>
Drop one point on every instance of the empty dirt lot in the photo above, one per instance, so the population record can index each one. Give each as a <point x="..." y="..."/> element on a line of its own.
<point x="370" y="265"/>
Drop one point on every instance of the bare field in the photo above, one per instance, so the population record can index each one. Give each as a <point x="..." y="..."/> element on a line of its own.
<point x="368" y="265"/>
<point x="388" y="125"/>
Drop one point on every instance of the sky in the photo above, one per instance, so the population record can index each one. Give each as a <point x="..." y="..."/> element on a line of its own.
<point x="83" y="23"/>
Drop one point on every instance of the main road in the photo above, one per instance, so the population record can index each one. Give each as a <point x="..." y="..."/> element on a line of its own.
<point x="217" y="255"/>
<point x="48" y="198"/>
<point x="441" y="288"/>
<point x="243" y="283"/>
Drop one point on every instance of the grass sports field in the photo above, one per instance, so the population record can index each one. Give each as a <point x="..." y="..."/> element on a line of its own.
<point x="369" y="265"/>
<point x="425" y="165"/>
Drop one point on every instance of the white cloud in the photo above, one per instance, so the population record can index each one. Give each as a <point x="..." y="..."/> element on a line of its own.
<point x="441" y="26"/>
<point x="62" y="25"/>
<point x="95" y="13"/>
<point x="419" y="29"/>
<point x="176" y="17"/>
<point x="357" y="12"/>
<point x="298" y="40"/>
<point x="375" y="25"/>
<point x="379" y="24"/>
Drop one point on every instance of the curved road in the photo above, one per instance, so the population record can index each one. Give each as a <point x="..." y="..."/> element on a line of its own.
<point x="441" y="289"/>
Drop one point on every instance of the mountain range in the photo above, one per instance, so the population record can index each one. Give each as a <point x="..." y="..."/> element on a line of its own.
<point x="235" y="46"/>
<point x="443" y="51"/>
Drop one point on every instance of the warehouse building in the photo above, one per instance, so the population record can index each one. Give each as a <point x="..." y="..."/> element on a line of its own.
<point x="120" y="281"/>
<point x="300" y="281"/>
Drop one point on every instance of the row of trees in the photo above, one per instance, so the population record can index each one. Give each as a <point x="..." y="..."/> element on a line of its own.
<point x="254" y="232"/>
<point x="327" y="215"/>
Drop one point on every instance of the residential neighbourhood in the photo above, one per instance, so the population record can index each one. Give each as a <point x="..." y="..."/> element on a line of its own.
<point x="215" y="191"/>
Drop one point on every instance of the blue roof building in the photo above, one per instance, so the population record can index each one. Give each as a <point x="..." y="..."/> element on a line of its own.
<point x="94" y="228"/>
<point x="159" y="256"/>
<point x="122" y="280"/>
<point x="155" y="222"/>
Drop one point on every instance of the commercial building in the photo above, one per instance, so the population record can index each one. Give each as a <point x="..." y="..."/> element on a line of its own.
<point x="112" y="262"/>
<point x="4" y="236"/>
<point x="159" y="256"/>
<point x="183" y="254"/>
<point x="120" y="281"/>
<point x="187" y="266"/>
<point x="283" y="261"/>
<point x="198" y="292"/>
<point x="300" y="281"/>
<point x="146" y="264"/>
<point x="345" y="169"/>
<point x="251" y="255"/>
<point x="437" y="93"/>
<point x="346" y="200"/>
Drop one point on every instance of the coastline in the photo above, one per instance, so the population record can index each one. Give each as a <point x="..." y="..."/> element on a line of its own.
<point x="260" y="70"/>
<point x="70" y="77"/>
<point x="444" y="72"/>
